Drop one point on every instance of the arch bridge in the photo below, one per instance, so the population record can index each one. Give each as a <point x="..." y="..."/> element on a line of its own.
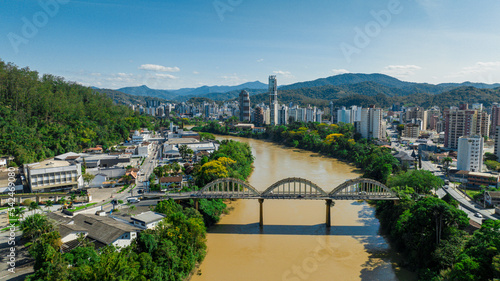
<point x="291" y="188"/>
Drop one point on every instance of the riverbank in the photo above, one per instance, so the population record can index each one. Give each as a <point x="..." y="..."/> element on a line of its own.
<point x="294" y="230"/>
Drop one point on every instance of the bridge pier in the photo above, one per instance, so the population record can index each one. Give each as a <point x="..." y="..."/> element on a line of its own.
<point x="328" y="215"/>
<point x="261" y="208"/>
<point x="196" y="204"/>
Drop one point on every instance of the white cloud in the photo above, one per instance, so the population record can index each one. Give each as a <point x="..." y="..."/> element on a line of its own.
<point x="164" y="75"/>
<point x="286" y="74"/>
<point x="486" y="72"/>
<point x="196" y="72"/>
<point x="160" y="68"/>
<point x="260" y="60"/>
<point x="401" y="71"/>
<point x="232" y="79"/>
<point x="339" y="71"/>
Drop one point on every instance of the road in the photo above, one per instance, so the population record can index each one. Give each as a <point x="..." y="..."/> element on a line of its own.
<point x="466" y="205"/>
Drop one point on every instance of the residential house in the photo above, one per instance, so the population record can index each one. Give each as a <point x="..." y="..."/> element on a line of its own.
<point x="147" y="220"/>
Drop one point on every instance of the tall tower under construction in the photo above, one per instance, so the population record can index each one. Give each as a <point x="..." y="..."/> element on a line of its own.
<point x="244" y="106"/>
<point x="273" y="99"/>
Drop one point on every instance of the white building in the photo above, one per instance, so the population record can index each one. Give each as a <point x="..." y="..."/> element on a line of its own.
<point x="283" y="115"/>
<point x="147" y="220"/>
<point x="273" y="99"/>
<point x="344" y="115"/>
<point x="53" y="175"/>
<point x="470" y="153"/>
<point x="372" y="125"/>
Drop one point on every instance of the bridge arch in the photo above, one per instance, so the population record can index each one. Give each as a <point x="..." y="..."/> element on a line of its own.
<point x="294" y="188"/>
<point x="228" y="188"/>
<point x="362" y="188"/>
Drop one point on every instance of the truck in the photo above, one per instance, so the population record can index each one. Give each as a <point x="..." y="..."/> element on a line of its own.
<point x="133" y="200"/>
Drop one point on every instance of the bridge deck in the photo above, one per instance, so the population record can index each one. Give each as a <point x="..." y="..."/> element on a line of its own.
<point x="286" y="189"/>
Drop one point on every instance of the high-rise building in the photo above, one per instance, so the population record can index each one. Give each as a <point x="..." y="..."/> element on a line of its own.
<point x="458" y="123"/>
<point x="483" y="123"/>
<point x="283" y="115"/>
<point x="412" y="130"/>
<point x="470" y="153"/>
<point x="464" y="122"/>
<point x="311" y="114"/>
<point x="244" y="106"/>
<point x="273" y="99"/>
<point x="259" y="116"/>
<point x="372" y="124"/>
<point x="495" y="117"/>
<point x="497" y="142"/>
<point x="415" y="113"/>
<point x="344" y="115"/>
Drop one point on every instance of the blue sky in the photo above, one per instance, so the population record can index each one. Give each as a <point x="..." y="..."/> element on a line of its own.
<point x="174" y="44"/>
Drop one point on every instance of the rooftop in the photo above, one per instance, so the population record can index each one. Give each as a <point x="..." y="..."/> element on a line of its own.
<point x="48" y="164"/>
<point x="148" y="217"/>
<point x="103" y="229"/>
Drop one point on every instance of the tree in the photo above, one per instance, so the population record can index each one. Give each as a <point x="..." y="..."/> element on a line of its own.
<point x="400" y="128"/>
<point x="36" y="225"/>
<point x="33" y="206"/>
<point x="447" y="161"/>
<point x="72" y="198"/>
<point x="185" y="151"/>
<point x="18" y="212"/>
<point x="88" y="178"/>
<point x="48" y="204"/>
<point x="421" y="181"/>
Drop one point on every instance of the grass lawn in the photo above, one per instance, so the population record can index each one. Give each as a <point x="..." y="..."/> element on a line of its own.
<point x="81" y="207"/>
<point x="124" y="187"/>
<point x="472" y="193"/>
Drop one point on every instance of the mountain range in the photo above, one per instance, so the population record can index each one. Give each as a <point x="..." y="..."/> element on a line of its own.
<point x="316" y="92"/>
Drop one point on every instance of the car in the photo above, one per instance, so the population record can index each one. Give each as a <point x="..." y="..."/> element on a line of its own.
<point x="300" y="196"/>
<point x="445" y="187"/>
<point x="478" y="215"/>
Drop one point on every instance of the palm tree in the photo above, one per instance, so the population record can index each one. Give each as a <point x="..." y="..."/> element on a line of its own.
<point x="48" y="204"/>
<point x="36" y="225"/>
<point x="83" y="194"/>
<point x="18" y="212"/>
<point x="446" y="161"/>
<point x="33" y="206"/>
<point x="72" y="199"/>
<point x="62" y="200"/>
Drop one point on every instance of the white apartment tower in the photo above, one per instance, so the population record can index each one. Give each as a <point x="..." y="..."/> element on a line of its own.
<point x="470" y="153"/>
<point x="273" y="99"/>
<point x="372" y="124"/>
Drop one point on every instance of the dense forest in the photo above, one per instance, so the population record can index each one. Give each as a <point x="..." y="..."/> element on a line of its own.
<point x="44" y="116"/>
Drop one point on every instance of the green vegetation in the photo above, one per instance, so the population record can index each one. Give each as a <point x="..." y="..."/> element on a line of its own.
<point x="43" y="117"/>
<point x="492" y="165"/>
<point x="337" y="140"/>
<point x="169" y="252"/>
<point x="82" y="207"/>
<point x="430" y="232"/>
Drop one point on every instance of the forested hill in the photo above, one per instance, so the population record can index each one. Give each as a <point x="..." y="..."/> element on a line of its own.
<point x="43" y="117"/>
<point x="368" y="93"/>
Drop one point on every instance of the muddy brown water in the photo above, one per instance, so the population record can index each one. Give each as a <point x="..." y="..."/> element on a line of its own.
<point x="294" y="243"/>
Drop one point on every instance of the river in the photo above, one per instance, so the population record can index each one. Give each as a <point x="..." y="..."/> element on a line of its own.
<point x="294" y="243"/>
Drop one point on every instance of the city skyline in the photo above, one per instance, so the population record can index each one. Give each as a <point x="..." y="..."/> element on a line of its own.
<point x="167" y="45"/>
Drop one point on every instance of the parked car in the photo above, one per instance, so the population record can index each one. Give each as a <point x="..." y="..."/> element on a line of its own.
<point x="478" y="215"/>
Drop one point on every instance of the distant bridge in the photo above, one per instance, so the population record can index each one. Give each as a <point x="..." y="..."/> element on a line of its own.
<point x="289" y="188"/>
